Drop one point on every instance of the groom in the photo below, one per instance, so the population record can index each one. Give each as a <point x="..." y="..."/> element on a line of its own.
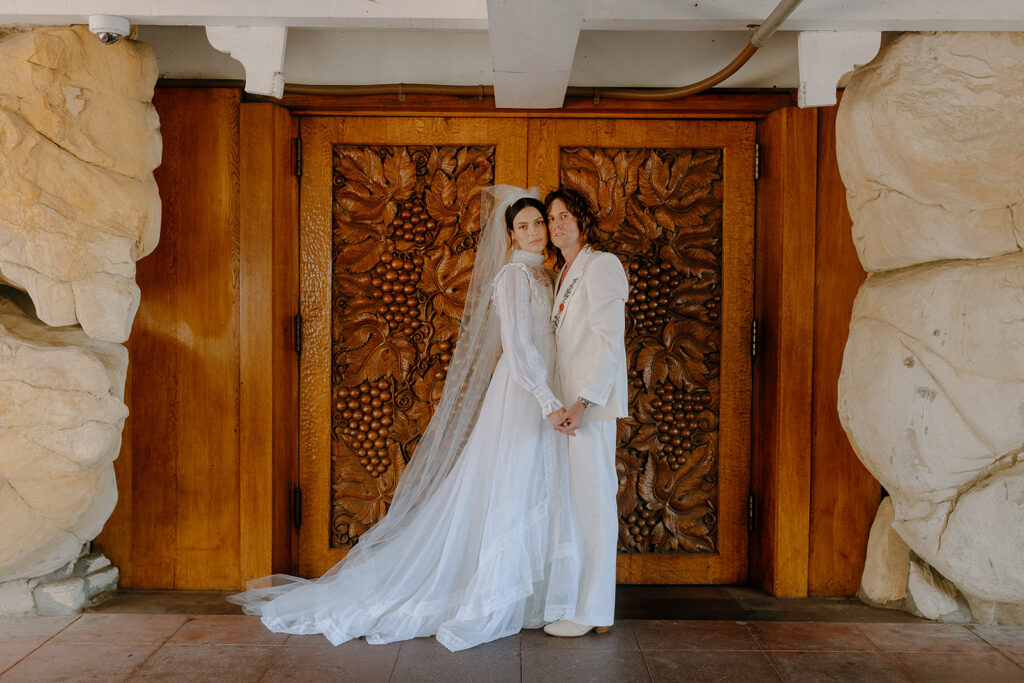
<point x="589" y="320"/>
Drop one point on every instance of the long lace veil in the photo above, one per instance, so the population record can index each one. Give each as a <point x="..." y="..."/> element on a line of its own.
<point x="469" y="374"/>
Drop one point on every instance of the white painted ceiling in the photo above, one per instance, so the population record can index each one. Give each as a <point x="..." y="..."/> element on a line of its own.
<point x="530" y="50"/>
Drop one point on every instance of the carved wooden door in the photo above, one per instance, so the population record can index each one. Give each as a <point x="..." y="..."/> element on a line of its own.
<point x="675" y="202"/>
<point x="389" y="221"/>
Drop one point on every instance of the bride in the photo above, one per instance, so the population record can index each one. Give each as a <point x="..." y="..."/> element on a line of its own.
<point x="474" y="546"/>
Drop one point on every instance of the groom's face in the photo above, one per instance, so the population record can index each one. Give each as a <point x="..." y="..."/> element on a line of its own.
<point x="562" y="225"/>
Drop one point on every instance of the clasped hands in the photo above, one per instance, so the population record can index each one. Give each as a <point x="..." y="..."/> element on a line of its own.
<point x="567" y="421"/>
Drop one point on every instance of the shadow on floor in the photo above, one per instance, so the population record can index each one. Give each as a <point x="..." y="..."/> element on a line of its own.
<point x="692" y="603"/>
<point x="662" y="633"/>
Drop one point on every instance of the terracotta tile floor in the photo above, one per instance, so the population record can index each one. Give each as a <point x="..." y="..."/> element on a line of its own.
<point x="690" y="634"/>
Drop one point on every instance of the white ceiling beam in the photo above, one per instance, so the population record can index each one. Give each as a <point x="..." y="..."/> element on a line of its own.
<point x="824" y="56"/>
<point x="533" y="43"/>
<point x="259" y="49"/>
<point x="649" y="15"/>
<point x="812" y="15"/>
<point x="370" y="14"/>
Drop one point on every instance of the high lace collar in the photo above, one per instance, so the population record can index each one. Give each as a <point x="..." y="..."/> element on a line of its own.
<point x="528" y="257"/>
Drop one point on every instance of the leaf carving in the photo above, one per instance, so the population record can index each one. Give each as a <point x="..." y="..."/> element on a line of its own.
<point x="660" y="210"/>
<point x="404" y="228"/>
<point x="400" y="173"/>
<point x="446" y="278"/>
<point x="362" y="256"/>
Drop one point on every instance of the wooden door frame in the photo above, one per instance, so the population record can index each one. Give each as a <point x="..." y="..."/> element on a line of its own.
<point x="735" y="140"/>
<point x="780" y="453"/>
<point x="316" y="268"/>
<point x="268" y="374"/>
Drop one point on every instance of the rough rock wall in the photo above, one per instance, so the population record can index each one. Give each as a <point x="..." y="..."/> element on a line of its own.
<point x="79" y="139"/>
<point x="61" y="415"/>
<point x="930" y="142"/>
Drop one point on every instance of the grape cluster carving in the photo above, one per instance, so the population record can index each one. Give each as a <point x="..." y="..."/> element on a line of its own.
<point x="405" y="226"/>
<point x="366" y="419"/>
<point x="660" y="211"/>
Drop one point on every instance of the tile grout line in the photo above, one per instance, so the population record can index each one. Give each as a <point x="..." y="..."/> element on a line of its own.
<point x="891" y="654"/>
<point x="643" y="654"/>
<point x="994" y="646"/>
<point x="48" y="639"/>
<point x="394" y="666"/>
<point x="157" y="649"/>
<point x="272" y="661"/>
<point x="1000" y="653"/>
<point x="866" y="637"/>
<point x="753" y="636"/>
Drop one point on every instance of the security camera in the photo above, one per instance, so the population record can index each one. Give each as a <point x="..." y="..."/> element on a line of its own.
<point x="108" y="28"/>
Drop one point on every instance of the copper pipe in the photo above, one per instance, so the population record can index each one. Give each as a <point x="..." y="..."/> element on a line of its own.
<point x="482" y="91"/>
<point x="758" y="37"/>
<point x="672" y="93"/>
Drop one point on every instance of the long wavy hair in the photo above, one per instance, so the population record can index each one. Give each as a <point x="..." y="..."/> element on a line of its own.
<point x="580" y="208"/>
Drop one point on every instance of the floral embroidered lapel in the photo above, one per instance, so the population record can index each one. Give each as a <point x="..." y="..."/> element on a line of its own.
<point x="568" y="287"/>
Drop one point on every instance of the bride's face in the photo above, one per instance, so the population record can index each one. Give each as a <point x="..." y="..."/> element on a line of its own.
<point x="530" y="231"/>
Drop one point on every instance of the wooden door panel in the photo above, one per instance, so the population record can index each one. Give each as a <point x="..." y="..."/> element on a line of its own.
<point x="675" y="202"/>
<point x="390" y="217"/>
<point x="388" y="233"/>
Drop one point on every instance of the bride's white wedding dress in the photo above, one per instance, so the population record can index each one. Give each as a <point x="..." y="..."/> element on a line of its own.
<point x="489" y="551"/>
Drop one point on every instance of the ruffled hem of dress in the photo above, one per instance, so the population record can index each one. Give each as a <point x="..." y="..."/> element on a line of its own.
<point x="453" y="643"/>
<point x="420" y="618"/>
<point x="434" y="611"/>
<point x="494" y="555"/>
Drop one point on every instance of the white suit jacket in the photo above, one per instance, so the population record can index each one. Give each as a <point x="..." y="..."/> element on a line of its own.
<point x="589" y="317"/>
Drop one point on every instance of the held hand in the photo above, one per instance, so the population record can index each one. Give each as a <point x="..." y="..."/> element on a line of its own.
<point x="557" y="420"/>
<point x="566" y="427"/>
<point x="556" y="417"/>
<point x="572" y="419"/>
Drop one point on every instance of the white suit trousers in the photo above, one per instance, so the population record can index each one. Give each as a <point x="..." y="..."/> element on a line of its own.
<point x="593" y="486"/>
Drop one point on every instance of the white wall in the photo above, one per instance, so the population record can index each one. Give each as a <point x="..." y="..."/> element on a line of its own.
<point x="463" y="57"/>
<point x="669" y="58"/>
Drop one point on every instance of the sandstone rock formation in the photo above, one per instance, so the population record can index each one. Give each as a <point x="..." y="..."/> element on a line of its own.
<point x="79" y="139"/>
<point x="931" y="148"/>
<point x="930" y="143"/>
<point x="887" y="566"/>
<point x="61" y="415"/>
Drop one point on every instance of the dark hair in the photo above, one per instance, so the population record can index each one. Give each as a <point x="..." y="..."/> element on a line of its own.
<point x="518" y="205"/>
<point x="580" y="208"/>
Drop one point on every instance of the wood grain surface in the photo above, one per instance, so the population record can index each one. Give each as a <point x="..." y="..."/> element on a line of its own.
<point x="268" y="302"/>
<point x="178" y="527"/>
<point x="208" y="460"/>
<point x="341" y="494"/>
<point x="844" y="495"/>
<point x="783" y="375"/>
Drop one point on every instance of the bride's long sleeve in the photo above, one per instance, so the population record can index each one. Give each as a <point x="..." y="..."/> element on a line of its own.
<point x="528" y="369"/>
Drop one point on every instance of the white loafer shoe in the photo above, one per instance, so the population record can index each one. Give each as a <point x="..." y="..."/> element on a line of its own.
<point x="570" y="629"/>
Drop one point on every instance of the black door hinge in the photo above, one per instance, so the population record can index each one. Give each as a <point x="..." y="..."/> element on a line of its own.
<point x="297" y="507"/>
<point x="298" y="333"/>
<point x="750" y="513"/>
<point x="297" y="154"/>
<point x="753" y="338"/>
<point x="757" y="161"/>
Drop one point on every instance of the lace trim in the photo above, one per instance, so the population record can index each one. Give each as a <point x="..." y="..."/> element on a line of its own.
<point x="528" y="368"/>
<point x="373" y="608"/>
